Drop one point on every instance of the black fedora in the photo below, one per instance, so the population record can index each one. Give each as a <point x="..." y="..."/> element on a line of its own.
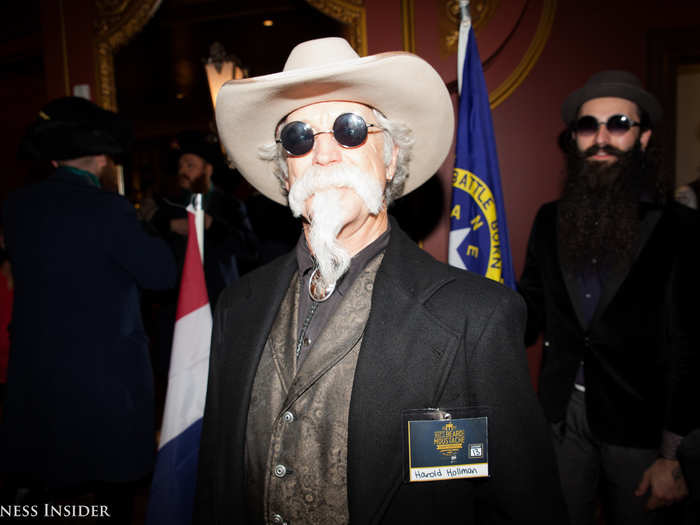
<point x="613" y="83"/>
<point x="72" y="127"/>
<point x="203" y="145"/>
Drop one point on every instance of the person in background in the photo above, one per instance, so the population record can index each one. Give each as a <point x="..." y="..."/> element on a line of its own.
<point x="6" y="298"/>
<point x="78" y="416"/>
<point x="688" y="194"/>
<point x="231" y="247"/>
<point x="612" y="280"/>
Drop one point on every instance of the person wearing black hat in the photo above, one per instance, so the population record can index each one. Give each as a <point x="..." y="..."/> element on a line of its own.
<point x="79" y="412"/>
<point x="611" y="280"/>
<point x="230" y="245"/>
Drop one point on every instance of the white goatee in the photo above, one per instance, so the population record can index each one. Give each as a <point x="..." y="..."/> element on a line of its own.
<point x="327" y="214"/>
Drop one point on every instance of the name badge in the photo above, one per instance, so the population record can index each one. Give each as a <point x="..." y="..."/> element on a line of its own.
<point x="445" y="444"/>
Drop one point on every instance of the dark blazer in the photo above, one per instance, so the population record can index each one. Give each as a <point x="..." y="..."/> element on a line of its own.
<point x="436" y="337"/>
<point x="640" y="350"/>
<point x="80" y="401"/>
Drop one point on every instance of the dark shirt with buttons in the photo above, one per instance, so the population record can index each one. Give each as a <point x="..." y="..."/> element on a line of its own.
<point x="591" y="281"/>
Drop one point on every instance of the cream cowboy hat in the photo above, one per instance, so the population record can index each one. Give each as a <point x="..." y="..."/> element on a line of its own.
<point x="403" y="86"/>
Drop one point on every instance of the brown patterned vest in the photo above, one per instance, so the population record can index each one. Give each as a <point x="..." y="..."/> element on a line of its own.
<point x="296" y="440"/>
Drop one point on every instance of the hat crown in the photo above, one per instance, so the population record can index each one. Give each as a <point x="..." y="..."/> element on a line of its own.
<point x="72" y="127"/>
<point x="612" y="83"/>
<point x="74" y="110"/>
<point x="614" y="77"/>
<point x="319" y="52"/>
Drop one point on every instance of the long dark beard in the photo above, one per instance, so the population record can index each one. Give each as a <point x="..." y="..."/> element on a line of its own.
<point x="599" y="208"/>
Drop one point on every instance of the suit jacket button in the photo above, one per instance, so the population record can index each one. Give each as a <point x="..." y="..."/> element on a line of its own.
<point x="277" y="519"/>
<point x="280" y="471"/>
<point x="288" y="417"/>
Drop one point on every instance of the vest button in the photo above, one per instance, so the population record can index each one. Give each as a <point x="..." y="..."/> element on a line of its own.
<point x="277" y="519"/>
<point x="288" y="417"/>
<point x="280" y="471"/>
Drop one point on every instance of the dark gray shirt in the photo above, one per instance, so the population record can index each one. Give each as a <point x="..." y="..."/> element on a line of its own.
<point x="324" y="310"/>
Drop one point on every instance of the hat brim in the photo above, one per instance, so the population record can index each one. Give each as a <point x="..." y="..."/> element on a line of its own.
<point x="404" y="87"/>
<point x="644" y="99"/>
<point x="61" y="141"/>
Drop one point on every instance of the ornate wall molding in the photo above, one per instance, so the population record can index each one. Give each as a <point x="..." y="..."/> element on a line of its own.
<point x="352" y="14"/>
<point x="522" y="70"/>
<point x="117" y="22"/>
<point x="481" y="12"/>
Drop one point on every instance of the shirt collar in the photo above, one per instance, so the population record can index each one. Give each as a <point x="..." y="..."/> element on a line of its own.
<point x="305" y="261"/>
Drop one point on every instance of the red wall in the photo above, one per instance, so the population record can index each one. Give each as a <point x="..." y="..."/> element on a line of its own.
<point x="33" y="71"/>
<point x="585" y="37"/>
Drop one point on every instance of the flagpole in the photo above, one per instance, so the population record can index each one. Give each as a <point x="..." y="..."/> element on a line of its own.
<point x="464" y="26"/>
<point x="199" y="221"/>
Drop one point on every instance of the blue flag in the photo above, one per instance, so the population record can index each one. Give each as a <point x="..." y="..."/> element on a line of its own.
<point x="478" y="233"/>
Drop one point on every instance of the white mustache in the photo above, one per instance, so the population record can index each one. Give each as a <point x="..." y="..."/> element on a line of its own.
<point x="318" y="178"/>
<point x="326" y="213"/>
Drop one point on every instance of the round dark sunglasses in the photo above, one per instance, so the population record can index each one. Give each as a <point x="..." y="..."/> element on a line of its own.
<point x="349" y="130"/>
<point x="616" y="125"/>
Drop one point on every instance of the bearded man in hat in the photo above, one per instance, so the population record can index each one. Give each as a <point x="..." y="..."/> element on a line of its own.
<point x="326" y="363"/>
<point x="230" y="246"/>
<point x="611" y="279"/>
<point x="80" y="404"/>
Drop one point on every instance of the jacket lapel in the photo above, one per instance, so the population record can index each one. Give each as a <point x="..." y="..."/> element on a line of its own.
<point x="343" y="332"/>
<point x="400" y="366"/>
<point x="619" y="274"/>
<point x="247" y="320"/>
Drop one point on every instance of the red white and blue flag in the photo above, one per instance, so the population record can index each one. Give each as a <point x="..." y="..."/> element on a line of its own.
<point x="175" y="474"/>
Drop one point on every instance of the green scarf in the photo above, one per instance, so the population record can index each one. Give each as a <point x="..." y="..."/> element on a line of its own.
<point x="91" y="177"/>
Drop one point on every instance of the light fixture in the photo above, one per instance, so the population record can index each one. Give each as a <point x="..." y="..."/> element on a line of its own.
<point x="221" y="67"/>
<point x="268" y="23"/>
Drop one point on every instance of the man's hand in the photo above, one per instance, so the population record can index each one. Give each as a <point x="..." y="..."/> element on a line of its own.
<point x="666" y="481"/>
<point x="181" y="226"/>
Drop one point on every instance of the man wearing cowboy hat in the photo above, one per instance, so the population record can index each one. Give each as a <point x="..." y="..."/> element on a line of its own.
<point x="611" y="279"/>
<point x="356" y="379"/>
<point x="80" y="403"/>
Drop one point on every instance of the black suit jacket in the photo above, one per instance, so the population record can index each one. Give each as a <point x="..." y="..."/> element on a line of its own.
<point x="80" y="400"/>
<point x="640" y="350"/>
<point x="436" y="337"/>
